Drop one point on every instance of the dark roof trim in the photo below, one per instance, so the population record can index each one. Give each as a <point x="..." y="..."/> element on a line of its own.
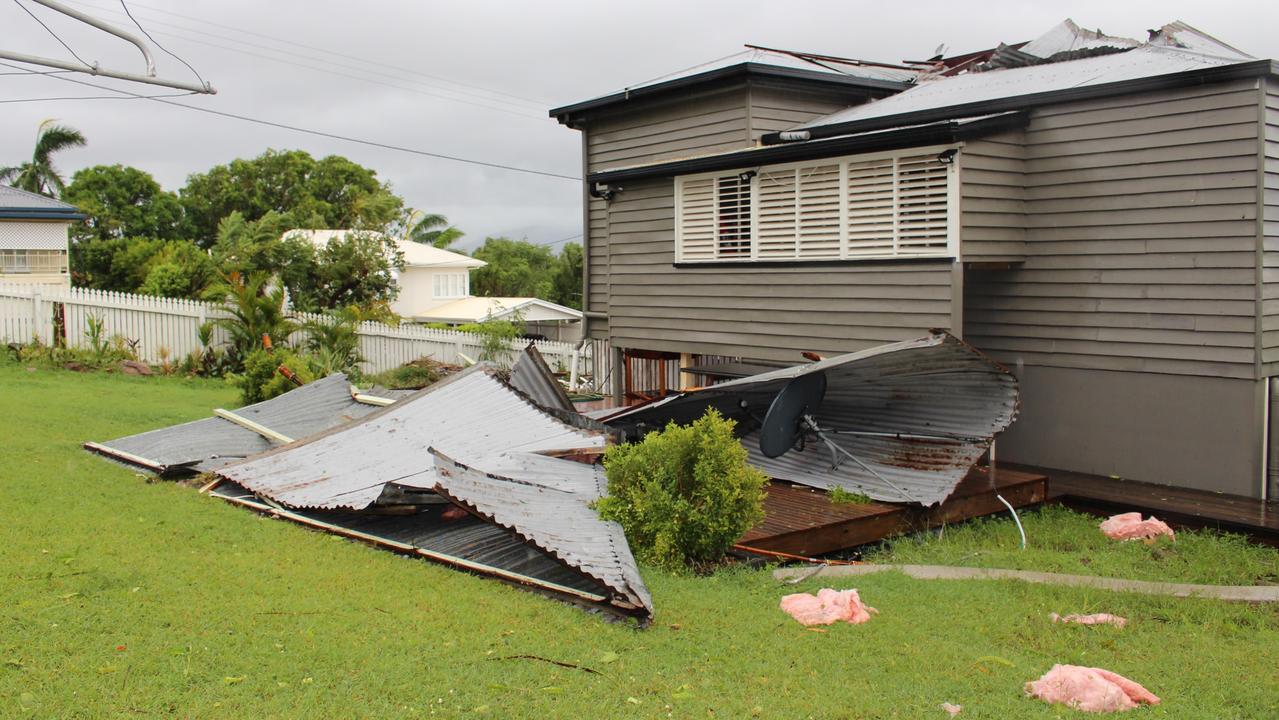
<point x="1190" y="78"/>
<point x="886" y="87"/>
<point x="939" y="133"/>
<point x="70" y="215"/>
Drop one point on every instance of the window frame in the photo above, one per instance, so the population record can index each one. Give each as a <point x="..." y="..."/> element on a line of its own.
<point x="953" y="179"/>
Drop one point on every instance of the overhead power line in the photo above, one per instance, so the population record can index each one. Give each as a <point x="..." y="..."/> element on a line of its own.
<point x="324" y="53"/>
<point x="317" y="133"/>
<point x="166" y="50"/>
<point x="64" y="44"/>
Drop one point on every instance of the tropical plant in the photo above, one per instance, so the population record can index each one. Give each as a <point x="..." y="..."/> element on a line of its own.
<point x="684" y="494"/>
<point x="334" y="341"/>
<point x="39" y="175"/>
<point x="262" y="379"/>
<point x="257" y="315"/>
<point x="432" y="229"/>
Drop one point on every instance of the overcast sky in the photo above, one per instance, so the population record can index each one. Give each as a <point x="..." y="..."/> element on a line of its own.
<point x="475" y="79"/>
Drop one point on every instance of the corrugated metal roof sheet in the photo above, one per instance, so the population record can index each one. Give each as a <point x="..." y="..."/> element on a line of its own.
<point x="208" y="444"/>
<point x="468" y="538"/>
<point x="12" y="198"/>
<point x="936" y="386"/>
<point x="548" y="502"/>
<point x="532" y="376"/>
<point x="472" y="413"/>
<point x="1179" y="48"/>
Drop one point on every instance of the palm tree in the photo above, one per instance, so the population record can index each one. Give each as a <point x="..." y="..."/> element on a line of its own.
<point x="433" y="229"/>
<point x="39" y="175"/>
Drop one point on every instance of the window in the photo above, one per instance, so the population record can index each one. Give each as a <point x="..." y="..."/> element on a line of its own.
<point x="882" y="205"/>
<point x="49" y="262"/>
<point x="451" y="285"/>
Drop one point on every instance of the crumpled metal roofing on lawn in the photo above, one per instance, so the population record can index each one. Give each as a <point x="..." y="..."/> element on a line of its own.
<point x="899" y="399"/>
<point x="547" y="501"/>
<point x="472" y="413"/>
<point x="208" y="444"/>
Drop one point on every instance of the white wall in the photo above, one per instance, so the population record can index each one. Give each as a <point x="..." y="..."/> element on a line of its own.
<point x="33" y="234"/>
<point x="417" y="290"/>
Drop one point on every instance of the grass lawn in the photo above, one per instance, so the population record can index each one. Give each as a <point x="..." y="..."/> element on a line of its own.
<point x="124" y="597"/>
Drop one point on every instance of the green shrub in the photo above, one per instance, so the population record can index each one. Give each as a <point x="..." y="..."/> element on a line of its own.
<point x="684" y="495"/>
<point x="260" y="380"/>
<point x="840" y="496"/>
<point x="416" y="374"/>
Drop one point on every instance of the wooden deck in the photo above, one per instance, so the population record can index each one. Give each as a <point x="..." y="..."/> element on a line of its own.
<point x="1180" y="507"/>
<point x="803" y="521"/>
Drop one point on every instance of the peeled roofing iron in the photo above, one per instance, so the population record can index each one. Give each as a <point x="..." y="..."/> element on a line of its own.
<point x="532" y="376"/>
<point x="208" y="444"/>
<point x="924" y="411"/>
<point x="547" y="502"/>
<point x="472" y="414"/>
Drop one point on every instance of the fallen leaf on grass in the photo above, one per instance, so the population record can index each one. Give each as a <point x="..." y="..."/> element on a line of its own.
<point x="608" y="657"/>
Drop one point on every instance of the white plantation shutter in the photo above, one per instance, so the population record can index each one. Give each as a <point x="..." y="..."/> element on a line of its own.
<point x="733" y="219"/>
<point x="871" y="203"/>
<point x="922" y="190"/>
<point x="776" y="224"/>
<point x="818" y="212"/>
<point x="697" y="219"/>
<point x="878" y="206"/>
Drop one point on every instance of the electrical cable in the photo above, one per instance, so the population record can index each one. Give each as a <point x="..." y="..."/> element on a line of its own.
<point x="51" y="32"/>
<point x="319" y="133"/>
<point x="157" y="44"/>
<point x="94" y="97"/>
<point x="322" y="50"/>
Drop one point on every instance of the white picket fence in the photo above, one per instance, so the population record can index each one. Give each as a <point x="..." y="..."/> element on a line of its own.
<point x="167" y="328"/>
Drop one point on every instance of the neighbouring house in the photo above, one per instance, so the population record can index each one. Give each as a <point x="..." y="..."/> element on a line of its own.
<point x="33" y="238"/>
<point x="435" y="287"/>
<point x="1100" y="214"/>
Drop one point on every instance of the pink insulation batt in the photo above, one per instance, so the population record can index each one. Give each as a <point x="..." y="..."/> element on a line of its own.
<point x="1094" y="619"/>
<point x="827" y="607"/>
<point x="1089" y="689"/>
<point x="1130" y="526"/>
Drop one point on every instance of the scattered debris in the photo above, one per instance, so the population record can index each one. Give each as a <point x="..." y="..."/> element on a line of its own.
<point x="205" y="445"/>
<point x="1130" y="526"/>
<point x="1094" y="619"/>
<point x="1089" y="689"/>
<point x="952" y="708"/>
<point x="903" y="422"/>
<point x="532" y="376"/>
<point x="539" y="658"/>
<point x="827" y="607"/>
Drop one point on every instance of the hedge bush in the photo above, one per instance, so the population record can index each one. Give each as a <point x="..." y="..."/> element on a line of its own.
<point x="685" y="494"/>
<point x="260" y="380"/>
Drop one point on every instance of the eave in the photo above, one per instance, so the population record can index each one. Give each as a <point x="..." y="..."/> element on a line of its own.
<point x="937" y="133"/>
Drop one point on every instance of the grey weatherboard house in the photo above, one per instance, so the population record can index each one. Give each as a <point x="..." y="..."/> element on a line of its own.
<point x="1099" y="214"/>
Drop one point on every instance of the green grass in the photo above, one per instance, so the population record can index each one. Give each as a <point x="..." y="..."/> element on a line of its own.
<point x="120" y="597"/>
<point x="1061" y="540"/>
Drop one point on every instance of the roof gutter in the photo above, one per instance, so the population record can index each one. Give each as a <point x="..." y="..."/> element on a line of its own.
<point x="1190" y="78"/>
<point x="41" y="214"/>
<point x="939" y="133"/>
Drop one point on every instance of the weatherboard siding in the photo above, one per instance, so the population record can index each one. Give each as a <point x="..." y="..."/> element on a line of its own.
<point x="775" y="107"/>
<point x="1140" y="238"/>
<point x="993" y="199"/>
<point x="1269" y="228"/>
<point x="766" y="313"/>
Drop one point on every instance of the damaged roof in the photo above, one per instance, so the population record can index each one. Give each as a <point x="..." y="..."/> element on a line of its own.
<point x="472" y="413"/>
<point x="532" y="376"/>
<point x="208" y="444"/>
<point x="1108" y="65"/>
<point x="548" y="502"/>
<point x="916" y="415"/>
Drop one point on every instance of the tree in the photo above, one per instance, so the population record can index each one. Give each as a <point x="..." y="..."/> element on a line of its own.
<point x="329" y="193"/>
<point x="122" y="202"/>
<point x="433" y="229"/>
<point x="352" y="269"/>
<point x="39" y="175"/>
<point x="566" y="283"/>
<point x="516" y="268"/>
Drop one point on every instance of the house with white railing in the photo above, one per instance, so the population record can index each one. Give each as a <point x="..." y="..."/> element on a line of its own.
<point x="33" y="238"/>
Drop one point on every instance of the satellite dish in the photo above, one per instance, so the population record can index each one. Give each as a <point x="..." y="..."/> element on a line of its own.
<point x="785" y="418"/>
